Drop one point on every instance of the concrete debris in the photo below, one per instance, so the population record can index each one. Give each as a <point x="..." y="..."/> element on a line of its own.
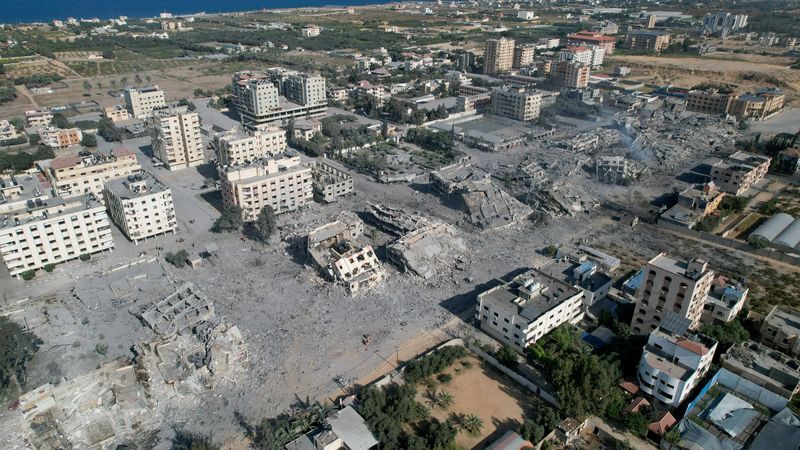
<point x="589" y="142"/>
<point x="617" y="170"/>
<point x="425" y="250"/>
<point x="394" y="221"/>
<point x="335" y="252"/>
<point x="179" y="312"/>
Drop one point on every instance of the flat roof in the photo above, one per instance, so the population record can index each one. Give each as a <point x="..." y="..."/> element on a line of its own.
<point x="546" y="292"/>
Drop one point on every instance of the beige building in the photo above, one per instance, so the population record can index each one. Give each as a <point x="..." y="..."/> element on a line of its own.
<point x="140" y="206"/>
<point x="38" y="230"/>
<point x="781" y="330"/>
<point x="38" y="117"/>
<point x="570" y="74"/>
<point x="305" y="89"/>
<point x="520" y="312"/>
<point x="116" y="113"/>
<point x="758" y="106"/>
<point x="516" y="103"/>
<point x="236" y="147"/>
<point x="709" y="101"/>
<point x="176" y="137"/>
<point x="650" y="21"/>
<point x="78" y="175"/>
<point x="651" y="41"/>
<point x="737" y="173"/>
<point x="670" y="286"/>
<point x="523" y="55"/>
<point x="7" y="130"/>
<point x="330" y="181"/>
<point x="258" y="99"/>
<point x="142" y="102"/>
<point x="498" y="56"/>
<point x="57" y="138"/>
<point x="281" y="182"/>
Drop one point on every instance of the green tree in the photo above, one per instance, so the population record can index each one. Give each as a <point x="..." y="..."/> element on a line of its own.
<point x="265" y="224"/>
<point x="89" y="140"/>
<point x="108" y="54"/>
<point x="507" y="357"/>
<point x="17" y="348"/>
<point x="60" y="120"/>
<point x="472" y="424"/>
<point x="230" y="220"/>
<point x="727" y="334"/>
<point x="87" y="86"/>
<point x="637" y="423"/>
<point x="18" y="122"/>
<point x="184" y="440"/>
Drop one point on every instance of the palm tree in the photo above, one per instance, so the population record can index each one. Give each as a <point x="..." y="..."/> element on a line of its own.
<point x="99" y="85"/>
<point x="137" y="79"/>
<point x="320" y="411"/>
<point x="472" y="424"/>
<point x="123" y="81"/>
<point x="432" y="396"/>
<point x="302" y="423"/>
<point x="147" y="77"/>
<point x="114" y="84"/>
<point x="444" y="400"/>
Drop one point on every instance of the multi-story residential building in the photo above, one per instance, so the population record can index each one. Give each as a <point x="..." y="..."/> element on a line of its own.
<point x="593" y="39"/>
<point x="516" y="103"/>
<point x="590" y="56"/>
<point x="738" y="172"/>
<point x="257" y="98"/>
<point x="523" y="55"/>
<point x="38" y="230"/>
<point x="781" y="330"/>
<point x="606" y="27"/>
<point x="310" y="31"/>
<point x="670" y="286"/>
<point x="76" y="175"/>
<point x="465" y="61"/>
<point x="54" y="137"/>
<point x="498" y="56"/>
<point x="694" y="204"/>
<point x="653" y="41"/>
<point x="236" y="147"/>
<point x="7" y="131"/>
<point x="725" y="300"/>
<point x="140" y="206"/>
<point x="719" y="21"/>
<point x="760" y="105"/>
<point x="176" y="138"/>
<point x="672" y="365"/>
<point x="330" y="181"/>
<point x="39" y="117"/>
<point x="709" y="101"/>
<point x="526" y="15"/>
<point x="338" y="94"/>
<point x="305" y="89"/>
<point x="523" y="310"/>
<point x="116" y="113"/>
<point x="570" y="74"/>
<point x="142" y="102"/>
<point x="281" y="182"/>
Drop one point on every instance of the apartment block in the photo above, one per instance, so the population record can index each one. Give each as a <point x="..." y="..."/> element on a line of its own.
<point x="523" y="55"/>
<point x="330" y="181"/>
<point x="719" y="21"/>
<point x="141" y="206"/>
<point x="236" y="147"/>
<point x="593" y="39"/>
<point x="709" y="101"/>
<point x="176" y="137"/>
<point x="760" y="105"/>
<point x="590" y="56"/>
<point x="38" y="117"/>
<point x="781" y="330"/>
<point x="77" y="175"/>
<point x="281" y="182"/>
<point x="570" y="74"/>
<point x="667" y="286"/>
<point x="498" y="56"/>
<point x="724" y="301"/>
<point x="116" y="113"/>
<point x="37" y="230"/>
<point x="652" y="41"/>
<point x="57" y="138"/>
<point x="258" y="100"/>
<point x="521" y="311"/>
<point x="305" y="89"/>
<point x="672" y="365"/>
<point x="738" y="172"/>
<point x="516" y="103"/>
<point x="142" y="102"/>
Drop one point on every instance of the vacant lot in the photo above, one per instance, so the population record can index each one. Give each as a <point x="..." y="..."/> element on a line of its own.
<point x="479" y="389"/>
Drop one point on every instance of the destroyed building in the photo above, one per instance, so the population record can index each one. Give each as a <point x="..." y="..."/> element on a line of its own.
<point x="616" y="169"/>
<point x="335" y="252"/>
<point x="471" y="189"/>
<point x="179" y="312"/>
<point x="330" y="181"/>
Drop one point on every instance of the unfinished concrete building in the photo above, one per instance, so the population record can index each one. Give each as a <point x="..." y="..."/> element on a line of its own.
<point x="335" y="252"/>
<point x="616" y="170"/>
<point x="179" y="312"/>
<point x="330" y="181"/>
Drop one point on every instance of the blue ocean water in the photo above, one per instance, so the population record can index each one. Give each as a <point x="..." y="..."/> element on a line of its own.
<point x="26" y="11"/>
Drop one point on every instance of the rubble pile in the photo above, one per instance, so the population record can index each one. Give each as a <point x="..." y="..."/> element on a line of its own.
<point x="179" y="312"/>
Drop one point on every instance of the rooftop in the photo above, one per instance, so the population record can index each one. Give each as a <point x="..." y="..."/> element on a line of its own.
<point x="692" y="269"/>
<point x="785" y="318"/>
<point x="764" y="362"/>
<point x="530" y="294"/>
<point x="135" y="185"/>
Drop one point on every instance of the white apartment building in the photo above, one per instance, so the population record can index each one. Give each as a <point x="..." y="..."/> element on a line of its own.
<point x="176" y="138"/>
<point x="258" y="100"/>
<point x="516" y="103"/>
<point x="671" y="366"/>
<point x="57" y="138"/>
<point x="141" y="206"/>
<point x="116" y="113"/>
<point x="666" y="285"/>
<point x="526" y="15"/>
<point x="310" y="31"/>
<point x="498" y="56"/>
<point x="523" y="310"/>
<point x="235" y="147"/>
<point x="738" y="172"/>
<point x="77" y="175"/>
<point x="305" y="89"/>
<point x="142" y="102"/>
<point x="589" y="56"/>
<point x="724" y="301"/>
<point x="281" y="182"/>
<point x="37" y="230"/>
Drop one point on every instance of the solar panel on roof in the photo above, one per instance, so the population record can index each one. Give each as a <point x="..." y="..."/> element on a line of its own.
<point x="675" y="323"/>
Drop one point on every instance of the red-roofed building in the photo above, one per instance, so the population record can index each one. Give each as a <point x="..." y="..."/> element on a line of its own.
<point x="629" y="387"/>
<point x="636" y="404"/>
<point x="662" y="425"/>
<point x="593" y="39"/>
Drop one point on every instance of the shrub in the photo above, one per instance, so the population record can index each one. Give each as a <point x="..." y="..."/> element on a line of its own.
<point x="49" y="267"/>
<point x="101" y="348"/>
<point x="85" y="257"/>
<point x="28" y="274"/>
<point x="507" y="357"/>
<point x="444" y="378"/>
<point x="177" y="259"/>
<point x="433" y="363"/>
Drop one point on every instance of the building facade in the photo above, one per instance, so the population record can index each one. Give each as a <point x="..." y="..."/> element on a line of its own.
<point x="709" y="101"/>
<point x="257" y="96"/>
<point x="760" y="105"/>
<point x="651" y="41"/>
<point x="57" y="138"/>
<point x="593" y="39"/>
<point x="142" y="102"/>
<point x="570" y="74"/>
<point x="498" y="56"/>
<point x="781" y="330"/>
<point x="330" y="181"/>
<point x="73" y="176"/>
<point x="236" y="147"/>
<point x="305" y="89"/>
<point x="738" y="172"/>
<point x="281" y="182"/>
<point x="176" y="137"/>
<point x="516" y="103"/>
<point x="141" y="206"/>
<point x="523" y="55"/>
<point x="670" y="286"/>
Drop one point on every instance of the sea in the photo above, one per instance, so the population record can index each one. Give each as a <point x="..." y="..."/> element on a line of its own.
<point x="29" y="11"/>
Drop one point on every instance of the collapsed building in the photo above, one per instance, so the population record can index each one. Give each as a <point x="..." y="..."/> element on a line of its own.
<point x="179" y="312"/>
<point x="423" y="246"/>
<point x="335" y="252"/>
<point x="617" y="169"/>
<point x="471" y="189"/>
<point x="330" y="181"/>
